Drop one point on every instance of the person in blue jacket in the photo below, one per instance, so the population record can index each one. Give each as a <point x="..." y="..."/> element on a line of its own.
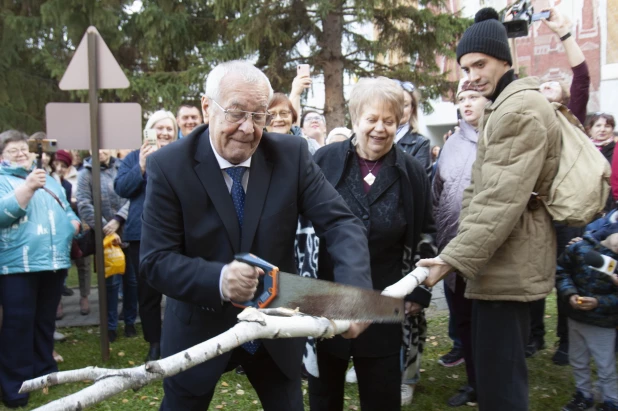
<point x="130" y="183"/>
<point x="37" y="226"/>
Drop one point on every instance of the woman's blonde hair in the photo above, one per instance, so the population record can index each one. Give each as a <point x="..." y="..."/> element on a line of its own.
<point x="415" y="96"/>
<point x="161" y="115"/>
<point x="380" y="89"/>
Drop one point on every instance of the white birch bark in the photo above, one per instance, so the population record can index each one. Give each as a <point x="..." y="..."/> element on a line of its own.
<point x="253" y="324"/>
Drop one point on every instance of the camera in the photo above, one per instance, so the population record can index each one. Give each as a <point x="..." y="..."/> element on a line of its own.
<point x="518" y="17"/>
<point x="44" y="145"/>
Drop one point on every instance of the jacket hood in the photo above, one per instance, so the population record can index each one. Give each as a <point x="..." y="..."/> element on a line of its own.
<point x="14" y="170"/>
<point x="598" y="246"/>
<point x="88" y="163"/>
<point x="468" y="132"/>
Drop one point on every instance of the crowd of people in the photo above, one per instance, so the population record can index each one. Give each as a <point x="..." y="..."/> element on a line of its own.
<point x="250" y="170"/>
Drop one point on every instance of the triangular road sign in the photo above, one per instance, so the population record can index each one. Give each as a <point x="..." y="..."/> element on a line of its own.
<point x="109" y="73"/>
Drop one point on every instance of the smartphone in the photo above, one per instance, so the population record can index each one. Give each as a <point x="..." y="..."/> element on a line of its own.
<point x="150" y="136"/>
<point x="302" y="70"/>
<point x="539" y="16"/>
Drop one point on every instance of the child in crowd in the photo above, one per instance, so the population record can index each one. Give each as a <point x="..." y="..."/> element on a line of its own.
<point x="592" y="298"/>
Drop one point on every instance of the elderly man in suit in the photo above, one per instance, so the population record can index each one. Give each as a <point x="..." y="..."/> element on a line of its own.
<point x="226" y="188"/>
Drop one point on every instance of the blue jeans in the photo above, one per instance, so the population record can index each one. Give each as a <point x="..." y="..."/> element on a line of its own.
<point x="129" y="302"/>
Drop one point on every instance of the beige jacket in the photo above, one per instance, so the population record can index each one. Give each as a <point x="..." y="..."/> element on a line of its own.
<point x="505" y="249"/>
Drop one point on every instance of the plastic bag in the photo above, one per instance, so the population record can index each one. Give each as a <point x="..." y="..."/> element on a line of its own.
<point x="114" y="257"/>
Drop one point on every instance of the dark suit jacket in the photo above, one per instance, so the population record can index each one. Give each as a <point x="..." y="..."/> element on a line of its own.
<point x="190" y="231"/>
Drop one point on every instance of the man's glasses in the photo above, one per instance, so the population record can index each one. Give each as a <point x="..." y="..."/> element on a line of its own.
<point x="281" y="114"/>
<point x="15" y="151"/>
<point x="309" y="119"/>
<point x="239" y="116"/>
<point x="406" y="85"/>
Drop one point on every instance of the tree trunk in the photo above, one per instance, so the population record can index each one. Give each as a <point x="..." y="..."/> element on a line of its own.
<point x="331" y="59"/>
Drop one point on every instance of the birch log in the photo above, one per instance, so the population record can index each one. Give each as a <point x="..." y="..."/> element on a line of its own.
<point x="253" y="324"/>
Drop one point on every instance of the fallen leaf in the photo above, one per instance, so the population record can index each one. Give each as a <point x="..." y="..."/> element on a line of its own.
<point x="433" y="337"/>
<point x="143" y="397"/>
<point x="455" y="376"/>
<point x="432" y="379"/>
<point x="254" y="401"/>
<point x="223" y="403"/>
<point x="153" y="403"/>
<point x="45" y="390"/>
<point x="548" y="316"/>
<point x="131" y="362"/>
<point x="422" y="370"/>
<point x="434" y="343"/>
<point x="224" y="391"/>
<point x="125" y="401"/>
<point x="225" y="384"/>
<point x="353" y="407"/>
<point x="304" y="391"/>
<point x="90" y="331"/>
<point x="347" y="398"/>
<point x="155" y="398"/>
<point x="240" y="392"/>
<point x="219" y="407"/>
<point x="121" y="353"/>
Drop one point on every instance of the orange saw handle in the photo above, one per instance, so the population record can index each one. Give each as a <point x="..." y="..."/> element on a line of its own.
<point x="268" y="285"/>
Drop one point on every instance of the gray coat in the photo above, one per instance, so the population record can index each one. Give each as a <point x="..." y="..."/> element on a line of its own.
<point x="453" y="174"/>
<point x="112" y="205"/>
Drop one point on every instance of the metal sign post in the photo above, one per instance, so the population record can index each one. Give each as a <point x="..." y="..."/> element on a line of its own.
<point x="93" y="101"/>
<point x="93" y="67"/>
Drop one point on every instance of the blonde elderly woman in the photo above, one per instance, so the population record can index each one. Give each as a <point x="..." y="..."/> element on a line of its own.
<point x="390" y="193"/>
<point x="131" y="183"/>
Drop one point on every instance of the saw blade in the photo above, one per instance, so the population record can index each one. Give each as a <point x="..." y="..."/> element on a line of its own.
<point x="336" y="301"/>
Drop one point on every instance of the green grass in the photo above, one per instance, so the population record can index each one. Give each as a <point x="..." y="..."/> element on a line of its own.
<point x="550" y="386"/>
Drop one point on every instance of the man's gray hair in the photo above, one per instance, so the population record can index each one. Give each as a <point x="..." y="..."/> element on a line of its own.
<point x="248" y="71"/>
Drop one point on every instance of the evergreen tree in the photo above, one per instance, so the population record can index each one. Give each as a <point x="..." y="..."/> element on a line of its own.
<point x="402" y="42"/>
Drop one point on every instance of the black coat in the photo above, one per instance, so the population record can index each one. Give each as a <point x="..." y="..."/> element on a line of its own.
<point x="395" y="212"/>
<point x="190" y="231"/>
<point x="417" y="146"/>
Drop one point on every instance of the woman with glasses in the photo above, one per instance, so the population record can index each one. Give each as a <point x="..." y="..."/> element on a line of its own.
<point x="390" y="194"/>
<point x="37" y="227"/>
<point x="284" y="117"/>
<point x="408" y="137"/>
<point x="130" y="182"/>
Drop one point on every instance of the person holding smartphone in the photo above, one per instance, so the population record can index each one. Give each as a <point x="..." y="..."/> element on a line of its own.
<point x="130" y="183"/>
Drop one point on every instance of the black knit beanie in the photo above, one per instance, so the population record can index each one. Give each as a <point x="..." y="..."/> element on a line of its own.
<point x="487" y="35"/>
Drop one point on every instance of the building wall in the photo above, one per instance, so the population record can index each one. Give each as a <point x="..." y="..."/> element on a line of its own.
<point x="595" y="28"/>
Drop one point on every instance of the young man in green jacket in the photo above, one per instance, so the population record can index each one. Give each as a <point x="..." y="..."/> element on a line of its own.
<point x="506" y="246"/>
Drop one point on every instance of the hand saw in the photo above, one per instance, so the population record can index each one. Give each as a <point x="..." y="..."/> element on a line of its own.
<point x="318" y="297"/>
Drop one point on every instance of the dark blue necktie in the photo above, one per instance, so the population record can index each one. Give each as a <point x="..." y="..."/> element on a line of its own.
<point x="237" y="192"/>
<point x="238" y="198"/>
